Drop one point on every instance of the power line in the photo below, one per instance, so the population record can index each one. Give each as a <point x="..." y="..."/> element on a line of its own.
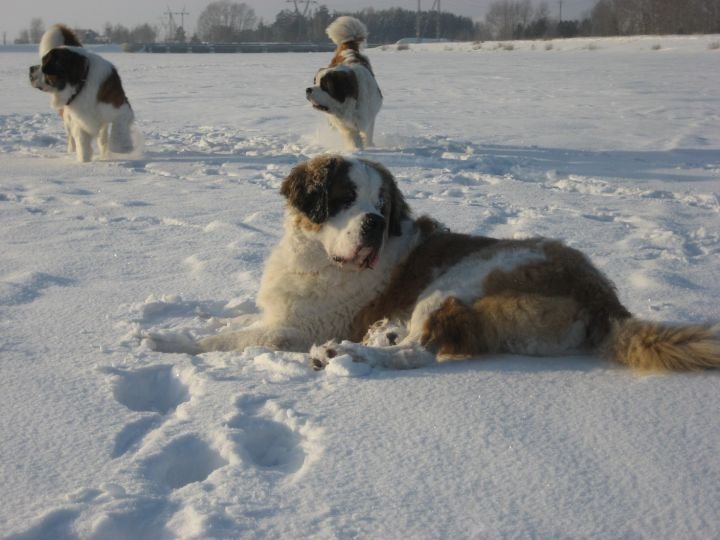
<point x="171" y="25"/>
<point x="297" y="9"/>
<point x="418" y="25"/>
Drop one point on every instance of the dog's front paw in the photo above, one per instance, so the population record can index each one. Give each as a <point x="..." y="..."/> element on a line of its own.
<point x="385" y="333"/>
<point x="345" y="359"/>
<point x="320" y="355"/>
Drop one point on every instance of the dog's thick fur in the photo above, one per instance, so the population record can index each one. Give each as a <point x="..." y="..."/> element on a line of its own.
<point x="88" y="91"/>
<point x="353" y="264"/>
<point x="347" y="90"/>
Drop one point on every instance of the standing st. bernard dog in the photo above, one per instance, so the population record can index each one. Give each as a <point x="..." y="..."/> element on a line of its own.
<point x="57" y="35"/>
<point x="87" y="87"/>
<point x="347" y="90"/>
<point x="353" y="264"/>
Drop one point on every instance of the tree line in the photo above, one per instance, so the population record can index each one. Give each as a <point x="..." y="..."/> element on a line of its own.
<point x="523" y="19"/>
<point x="229" y="21"/>
<point x="625" y="17"/>
<point x="226" y="21"/>
<point x="142" y="33"/>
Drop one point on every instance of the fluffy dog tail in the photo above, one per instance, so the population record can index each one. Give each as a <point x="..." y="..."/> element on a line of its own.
<point x="652" y="346"/>
<point x="57" y="35"/>
<point x="347" y="29"/>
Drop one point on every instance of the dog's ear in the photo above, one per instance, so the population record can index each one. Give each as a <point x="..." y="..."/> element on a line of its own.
<point x="64" y="63"/>
<point x="50" y="63"/>
<point x="306" y="187"/>
<point x="396" y="209"/>
<point x="340" y="84"/>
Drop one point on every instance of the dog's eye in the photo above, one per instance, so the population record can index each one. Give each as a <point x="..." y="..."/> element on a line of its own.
<point x="341" y="202"/>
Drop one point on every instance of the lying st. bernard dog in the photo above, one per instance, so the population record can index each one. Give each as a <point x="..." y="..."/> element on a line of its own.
<point x="353" y="264"/>
<point x="57" y="35"/>
<point x="87" y="87"/>
<point x="347" y="90"/>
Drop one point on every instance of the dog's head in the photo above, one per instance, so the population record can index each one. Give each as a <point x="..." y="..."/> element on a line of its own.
<point x="61" y="68"/>
<point x="334" y="89"/>
<point x="352" y="206"/>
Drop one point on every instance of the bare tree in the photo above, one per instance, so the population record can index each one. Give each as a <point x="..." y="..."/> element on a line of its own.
<point x="499" y="19"/>
<point x="224" y="21"/>
<point x="542" y="11"/>
<point x="23" y="37"/>
<point x="603" y="20"/>
<point x="117" y="33"/>
<point x="611" y="17"/>
<point x="504" y="17"/>
<point x="143" y="33"/>
<point x="37" y="29"/>
<point x="524" y="12"/>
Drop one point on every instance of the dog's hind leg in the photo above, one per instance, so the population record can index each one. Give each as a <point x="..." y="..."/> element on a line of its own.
<point x="120" y="134"/>
<point x="71" y="146"/>
<point x="367" y="135"/>
<point x="103" y="140"/>
<point x="510" y="323"/>
<point x="83" y="142"/>
<point x="351" y="138"/>
<point x="67" y="122"/>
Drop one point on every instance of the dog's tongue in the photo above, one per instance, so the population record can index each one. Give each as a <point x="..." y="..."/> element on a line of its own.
<point x="373" y="260"/>
<point x="367" y="258"/>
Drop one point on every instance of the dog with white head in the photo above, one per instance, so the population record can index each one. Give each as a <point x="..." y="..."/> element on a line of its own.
<point x="354" y="266"/>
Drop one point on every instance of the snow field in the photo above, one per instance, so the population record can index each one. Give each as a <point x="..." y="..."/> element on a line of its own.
<point x="613" y="148"/>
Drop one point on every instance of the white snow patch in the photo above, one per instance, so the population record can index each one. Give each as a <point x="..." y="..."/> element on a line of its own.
<point x="605" y="143"/>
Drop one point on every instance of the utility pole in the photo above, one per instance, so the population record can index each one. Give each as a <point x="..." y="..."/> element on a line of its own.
<point x="418" y="21"/>
<point x="298" y="15"/>
<point x="560" y="2"/>
<point x="172" y="27"/>
<point x="170" y="36"/>
<point x="182" y="17"/>
<point x="305" y="9"/>
<point x="417" y="24"/>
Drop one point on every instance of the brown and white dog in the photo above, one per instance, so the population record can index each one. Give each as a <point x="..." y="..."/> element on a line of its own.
<point x="347" y="90"/>
<point x="57" y="35"/>
<point x="353" y="264"/>
<point x="88" y="90"/>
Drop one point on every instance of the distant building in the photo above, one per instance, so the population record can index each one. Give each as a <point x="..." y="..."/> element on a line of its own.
<point x="408" y="40"/>
<point x="90" y="37"/>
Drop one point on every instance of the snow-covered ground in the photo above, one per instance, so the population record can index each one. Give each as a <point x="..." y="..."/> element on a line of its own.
<point x="611" y="144"/>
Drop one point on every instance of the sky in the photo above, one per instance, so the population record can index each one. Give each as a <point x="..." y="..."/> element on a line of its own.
<point x="95" y="13"/>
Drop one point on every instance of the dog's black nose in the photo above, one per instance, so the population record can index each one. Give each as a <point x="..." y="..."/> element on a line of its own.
<point x="308" y="91"/>
<point x="372" y="228"/>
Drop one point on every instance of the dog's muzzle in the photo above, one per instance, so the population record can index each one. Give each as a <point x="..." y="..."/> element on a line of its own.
<point x="316" y="105"/>
<point x="36" y="76"/>
<point x="372" y="234"/>
<point x="372" y="230"/>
